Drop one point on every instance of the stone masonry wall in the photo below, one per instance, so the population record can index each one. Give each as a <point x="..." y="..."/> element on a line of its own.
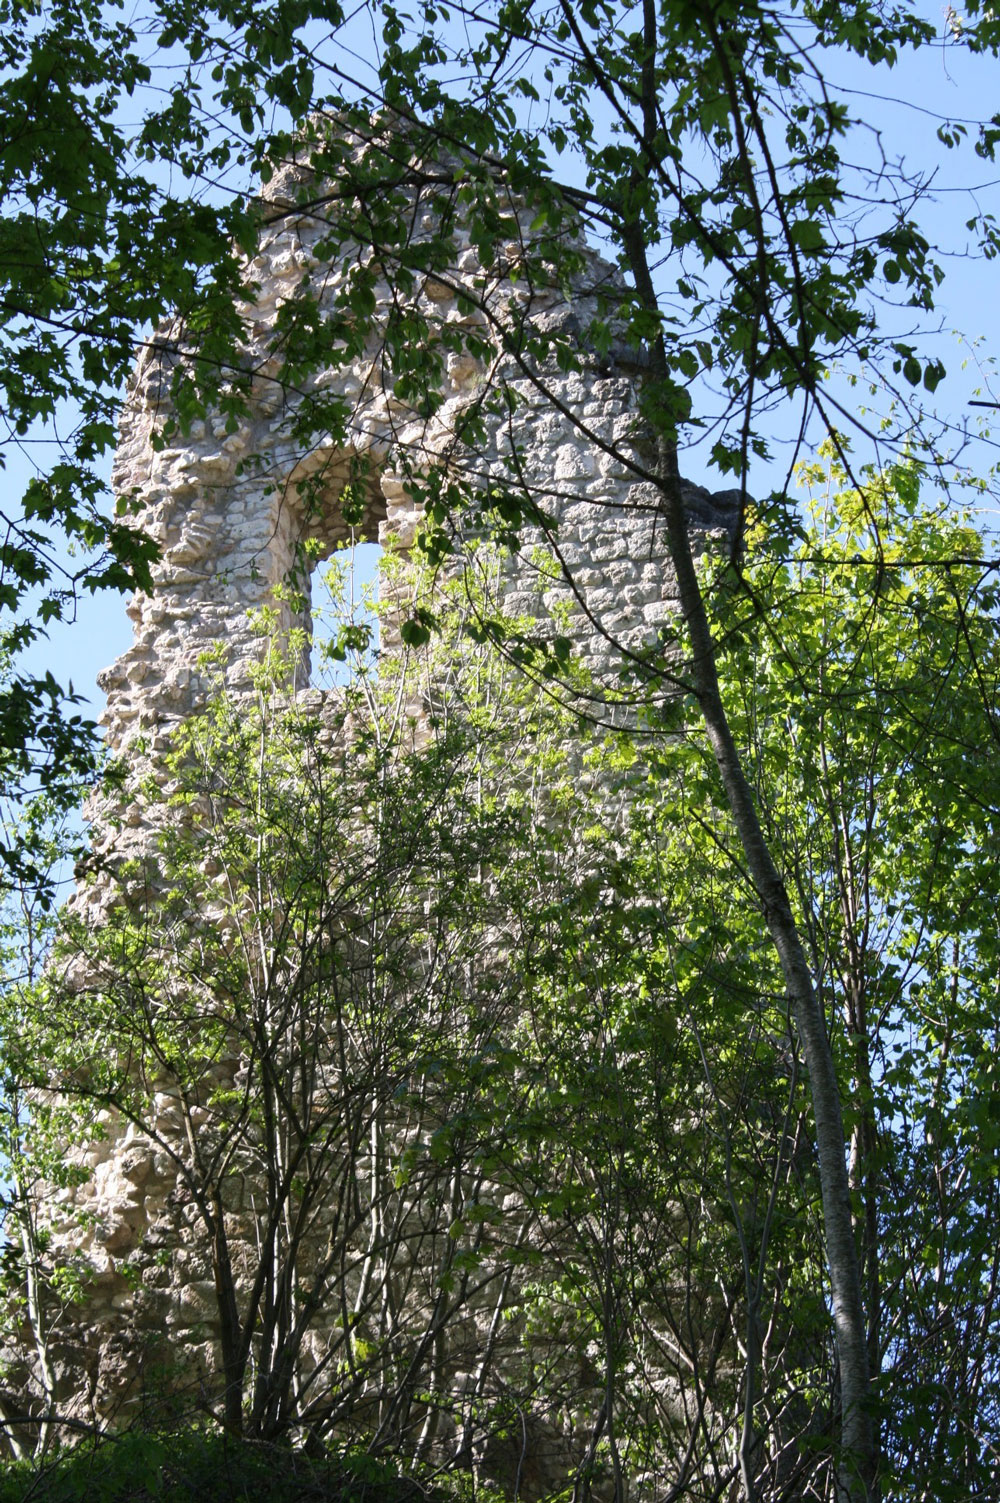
<point x="226" y="510"/>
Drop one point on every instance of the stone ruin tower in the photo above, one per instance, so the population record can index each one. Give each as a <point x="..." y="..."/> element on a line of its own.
<point x="230" y="511"/>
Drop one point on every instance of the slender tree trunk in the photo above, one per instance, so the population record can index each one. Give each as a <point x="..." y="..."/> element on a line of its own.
<point x="233" y="1366"/>
<point x="37" y="1322"/>
<point x="856" y="1471"/>
<point x="856" y="1479"/>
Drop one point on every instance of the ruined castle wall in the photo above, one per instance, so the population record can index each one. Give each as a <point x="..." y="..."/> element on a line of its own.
<point x="228" y="511"/>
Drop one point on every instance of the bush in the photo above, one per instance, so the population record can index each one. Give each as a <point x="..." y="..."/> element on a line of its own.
<point x="202" y="1466"/>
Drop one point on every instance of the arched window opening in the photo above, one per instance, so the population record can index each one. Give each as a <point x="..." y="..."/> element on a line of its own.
<point x="344" y="615"/>
<point x="326" y="570"/>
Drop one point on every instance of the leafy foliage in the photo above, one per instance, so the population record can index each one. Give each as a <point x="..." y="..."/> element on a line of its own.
<point x="463" y="999"/>
<point x="706" y="141"/>
<point x="564" y="1023"/>
<point x="130" y="217"/>
<point x="199" y="1466"/>
<point x="868" y="709"/>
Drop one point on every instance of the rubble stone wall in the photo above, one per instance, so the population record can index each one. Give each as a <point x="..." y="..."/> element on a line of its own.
<point x="226" y="509"/>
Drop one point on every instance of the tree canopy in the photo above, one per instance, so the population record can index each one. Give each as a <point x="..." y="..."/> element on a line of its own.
<point x="705" y="148"/>
<point x="436" y="983"/>
<point x="707" y="142"/>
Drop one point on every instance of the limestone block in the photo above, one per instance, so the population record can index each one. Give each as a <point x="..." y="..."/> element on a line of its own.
<point x="135" y="1165"/>
<point x="116" y="1236"/>
<point x="196" y="1305"/>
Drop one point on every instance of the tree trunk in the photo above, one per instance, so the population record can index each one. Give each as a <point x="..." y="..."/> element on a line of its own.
<point x="856" y="1470"/>
<point x="233" y="1366"/>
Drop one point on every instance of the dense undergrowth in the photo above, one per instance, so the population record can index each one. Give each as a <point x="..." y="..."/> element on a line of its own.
<point x="202" y="1466"/>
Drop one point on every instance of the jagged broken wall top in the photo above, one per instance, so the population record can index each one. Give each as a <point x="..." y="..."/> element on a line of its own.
<point x="226" y="507"/>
